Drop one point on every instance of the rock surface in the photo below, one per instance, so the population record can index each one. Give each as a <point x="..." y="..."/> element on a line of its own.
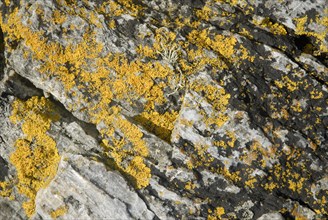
<point x="135" y="109"/>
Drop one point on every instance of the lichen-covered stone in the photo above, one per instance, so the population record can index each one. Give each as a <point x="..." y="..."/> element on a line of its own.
<point x="141" y="109"/>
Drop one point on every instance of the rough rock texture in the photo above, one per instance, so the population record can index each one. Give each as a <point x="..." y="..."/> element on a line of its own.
<point x="137" y="109"/>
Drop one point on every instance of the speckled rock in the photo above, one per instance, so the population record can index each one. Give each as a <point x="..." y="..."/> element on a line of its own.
<point x="129" y="109"/>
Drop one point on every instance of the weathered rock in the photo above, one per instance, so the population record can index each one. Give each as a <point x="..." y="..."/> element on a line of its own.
<point x="88" y="191"/>
<point x="128" y="109"/>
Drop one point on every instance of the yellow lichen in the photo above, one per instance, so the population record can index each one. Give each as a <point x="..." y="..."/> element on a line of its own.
<point x="218" y="212"/>
<point x="250" y="182"/>
<point x="296" y="106"/>
<point x="246" y="33"/>
<point x="146" y="51"/>
<point x="161" y="124"/>
<point x="232" y="137"/>
<point x="301" y="29"/>
<point x="189" y="186"/>
<point x="217" y="97"/>
<point x="112" y="24"/>
<point x="139" y="171"/>
<point x="232" y="176"/>
<point x="36" y="157"/>
<point x="270" y="186"/>
<point x="117" y="78"/>
<point x="126" y="145"/>
<point x="59" y="17"/>
<point x="62" y="210"/>
<point x="206" y="13"/>
<point x="7" y="2"/>
<point x="296" y="186"/>
<point x="274" y="28"/>
<point x="5" y="189"/>
<point x="288" y="84"/>
<point x="114" y="77"/>
<point x="221" y="44"/>
<point x="316" y="94"/>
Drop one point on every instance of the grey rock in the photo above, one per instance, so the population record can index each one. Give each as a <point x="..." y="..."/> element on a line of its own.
<point x="248" y="138"/>
<point x="89" y="191"/>
<point x="272" y="216"/>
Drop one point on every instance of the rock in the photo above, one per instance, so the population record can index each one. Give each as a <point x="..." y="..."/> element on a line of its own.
<point x="163" y="109"/>
<point x="87" y="190"/>
<point x="10" y="210"/>
<point x="273" y="216"/>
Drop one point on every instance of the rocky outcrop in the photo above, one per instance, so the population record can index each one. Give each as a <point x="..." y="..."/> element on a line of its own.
<point x="133" y="109"/>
